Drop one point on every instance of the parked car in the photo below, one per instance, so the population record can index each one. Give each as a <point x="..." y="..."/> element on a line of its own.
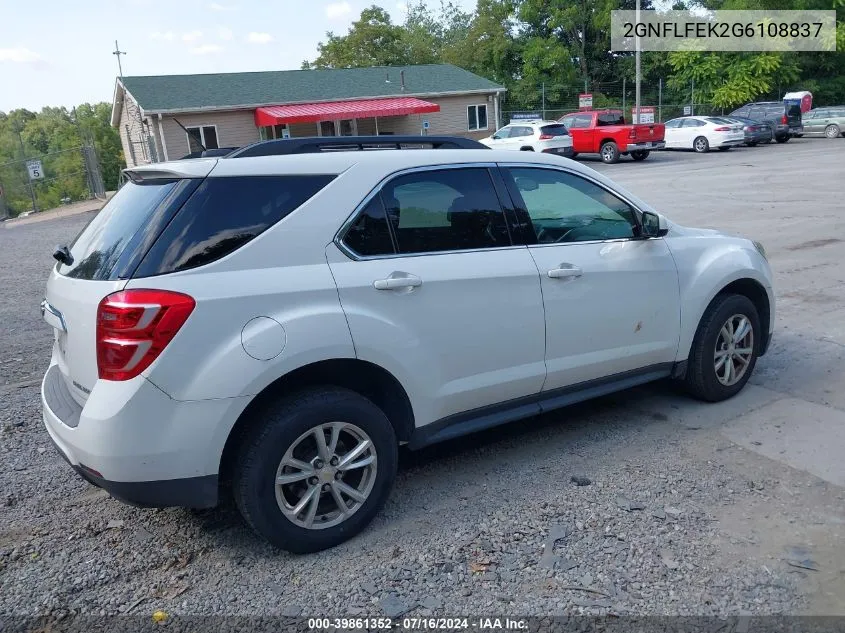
<point x="755" y="132"/>
<point x="605" y="132"/>
<point x="828" y="121"/>
<point x="784" y="118"/>
<point x="703" y="133"/>
<point x="359" y="300"/>
<point x="549" y="137"/>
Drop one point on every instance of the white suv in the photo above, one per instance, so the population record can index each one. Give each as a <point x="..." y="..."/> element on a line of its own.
<point x="548" y="137"/>
<point x="275" y="326"/>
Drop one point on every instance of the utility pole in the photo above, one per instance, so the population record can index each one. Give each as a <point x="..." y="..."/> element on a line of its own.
<point x="692" y="96"/>
<point x="544" y="100"/>
<point x="638" y="70"/>
<point x="660" y="100"/>
<point x="118" y="52"/>
<point x="624" y="90"/>
<point x="28" y="179"/>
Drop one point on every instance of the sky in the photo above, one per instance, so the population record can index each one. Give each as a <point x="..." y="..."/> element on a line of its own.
<point x="59" y="53"/>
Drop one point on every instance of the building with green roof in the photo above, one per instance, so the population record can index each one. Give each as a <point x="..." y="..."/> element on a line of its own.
<point x="169" y="116"/>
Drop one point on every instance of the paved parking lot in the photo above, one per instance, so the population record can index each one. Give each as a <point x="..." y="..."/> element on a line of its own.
<point x="692" y="508"/>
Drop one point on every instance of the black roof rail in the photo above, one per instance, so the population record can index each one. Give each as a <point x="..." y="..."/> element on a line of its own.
<point x="315" y="144"/>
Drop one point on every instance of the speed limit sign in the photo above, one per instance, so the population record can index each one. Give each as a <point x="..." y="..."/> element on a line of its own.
<point x="34" y="168"/>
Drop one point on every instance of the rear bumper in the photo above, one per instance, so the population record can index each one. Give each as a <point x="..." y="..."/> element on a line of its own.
<point x="134" y="441"/>
<point x="566" y="152"/>
<point x="646" y="146"/>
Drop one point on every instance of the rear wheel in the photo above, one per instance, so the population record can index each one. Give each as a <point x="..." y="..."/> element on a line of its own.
<point x="724" y="149"/>
<point x="640" y="154"/>
<point x="526" y="149"/>
<point x="701" y="145"/>
<point x="609" y="152"/>
<point x="725" y="348"/>
<point x="316" y="469"/>
<point x="782" y="139"/>
<point x="832" y="131"/>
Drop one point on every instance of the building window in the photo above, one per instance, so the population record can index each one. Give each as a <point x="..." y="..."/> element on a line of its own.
<point x="326" y="128"/>
<point x="205" y="135"/>
<point x="477" y="117"/>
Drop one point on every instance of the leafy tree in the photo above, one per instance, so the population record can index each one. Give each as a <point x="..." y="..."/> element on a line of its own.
<point x="372" y="40"/>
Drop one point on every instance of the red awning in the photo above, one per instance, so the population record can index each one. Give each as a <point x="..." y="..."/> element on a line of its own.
<point x="313" y="112"/>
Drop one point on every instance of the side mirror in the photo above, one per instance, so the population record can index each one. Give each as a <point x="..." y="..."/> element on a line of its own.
<point x="496" y="137"/>
<point x="654" y="225"/>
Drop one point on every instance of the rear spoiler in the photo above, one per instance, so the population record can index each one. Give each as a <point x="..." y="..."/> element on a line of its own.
<point x="199" y="168"/>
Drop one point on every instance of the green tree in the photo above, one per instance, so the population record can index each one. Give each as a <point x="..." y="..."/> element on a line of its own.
<point x="372" y="40"/>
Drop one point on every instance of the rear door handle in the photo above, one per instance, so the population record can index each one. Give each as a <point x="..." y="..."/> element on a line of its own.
<point x="564" y="271"/>
<point x="397" y="281"/>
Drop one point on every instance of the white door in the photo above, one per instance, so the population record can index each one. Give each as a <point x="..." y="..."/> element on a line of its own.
<point x="673" y="133"/>
<point x="441" y="298"/>
<point x="611" y="299"/>
<point x="691" y="130"/>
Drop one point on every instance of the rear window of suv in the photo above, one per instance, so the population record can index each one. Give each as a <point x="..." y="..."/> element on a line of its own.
<point x="163" y="226"/>
<point x="222" y="215"/>
<point x="554" y="130"/>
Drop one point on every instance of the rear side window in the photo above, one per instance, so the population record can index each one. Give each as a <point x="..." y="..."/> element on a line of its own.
<point x="370" y="235"/>
<point x="554" y="130"/>
<point x="222" y="215"/>
<point x="611" y="118"/>
<point x="111" y="245"/>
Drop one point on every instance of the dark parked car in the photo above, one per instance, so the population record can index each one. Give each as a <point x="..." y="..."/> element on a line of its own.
<point x="783" y="117"/>
<point x="755" y="131"/>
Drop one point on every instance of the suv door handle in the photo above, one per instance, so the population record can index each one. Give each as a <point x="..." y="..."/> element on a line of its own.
<point x="564" y="271"/>
<point x="397" y="281"/>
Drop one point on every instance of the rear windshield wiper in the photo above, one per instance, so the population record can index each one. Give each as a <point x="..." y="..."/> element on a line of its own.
<point x="62" y="254"/>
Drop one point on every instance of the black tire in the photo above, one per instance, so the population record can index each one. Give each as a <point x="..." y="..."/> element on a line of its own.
<point x="574" y="154"/>
<point x="754" y="144"/>
<point x="609" y="152"/>
<point x="701" y="144"/>
<point x="781" y="139"/>
<point x="832" y="131"/>
<point x="700" y="380"/>
<point x="526" y="149"/>
<point x="261" y="452"/>
<point x="724" y="149"/>
<point x="641" y="154"/>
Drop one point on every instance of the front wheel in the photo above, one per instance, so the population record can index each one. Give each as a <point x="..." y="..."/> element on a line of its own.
<point x="640" y="154"/>
<point x="701" y="145"/>
<point x="781" y="139"/>
<point x="316" y="469"/>
<point x="725" y="348"/>
<point x="832" y="131"/>
<point x="609" y="153"/>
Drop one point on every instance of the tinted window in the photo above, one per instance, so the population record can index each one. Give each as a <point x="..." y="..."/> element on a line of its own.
<point x="521" y="130"/>
<point x="567" y="208"/>
<point x="554" y="130"/>
<point x="505" y="132"/>
<point x="370" y="235"/>
<point x="445" y="210"/>
<point x="222" y="215"/>
<point x="611" y="118"/>
<point x="693" y="123"/>
<point x="111" y="244"/>
<point x="742" y="112"/>
<point x="674" y="123"/>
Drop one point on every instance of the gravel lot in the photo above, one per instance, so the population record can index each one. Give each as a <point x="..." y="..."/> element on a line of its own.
<point x="735" y="508"/>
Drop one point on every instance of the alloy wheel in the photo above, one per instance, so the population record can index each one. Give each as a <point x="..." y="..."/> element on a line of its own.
<point x="326" y="475"/>
<point x="734" y="349"/>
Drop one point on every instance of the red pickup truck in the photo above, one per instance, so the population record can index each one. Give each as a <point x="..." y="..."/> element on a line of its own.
<point x="605" y="132"/>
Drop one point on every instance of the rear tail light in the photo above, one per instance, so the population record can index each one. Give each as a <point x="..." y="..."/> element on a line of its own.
<point x="722" y="129"/>
<point x="134" y="327"/>
<point x="784" y="120"/>
<point x="546" y="137"/>
<point x="632" y="133"/>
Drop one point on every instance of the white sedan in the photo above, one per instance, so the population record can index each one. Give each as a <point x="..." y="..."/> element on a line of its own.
<point x="703" y="133"/>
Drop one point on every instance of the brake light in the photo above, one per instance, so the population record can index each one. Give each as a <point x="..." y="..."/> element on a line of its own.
<point x="722" y="129"/>
<point x="784" y="120"/>
<point x="632" y="133"/>
<point x="546" y="137"/>
<point x="134" y="327"/>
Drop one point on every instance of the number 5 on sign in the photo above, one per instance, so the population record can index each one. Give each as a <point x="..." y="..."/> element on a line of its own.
<point x="35" y="171"/>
